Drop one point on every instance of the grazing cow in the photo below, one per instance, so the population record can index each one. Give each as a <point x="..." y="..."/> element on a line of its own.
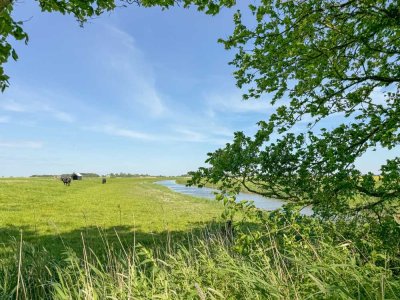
<point x="103" y="181"/>
<point x="66" y="180"/>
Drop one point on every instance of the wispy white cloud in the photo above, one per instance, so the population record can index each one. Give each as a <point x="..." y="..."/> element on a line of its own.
<point x="134" y="74"/>
<point x="231" y="101"/>
<point x="29" y="101"/>
<point x="60" y="115"/>
<point x="13" y="106"/>
<point x="189" y="135"/>
<point x="132" y="134"/>
<point x="201" y="130"/>
<point x="121" y="132"/>
<point x="176" y="134"/>
<point x="21" y="144"/>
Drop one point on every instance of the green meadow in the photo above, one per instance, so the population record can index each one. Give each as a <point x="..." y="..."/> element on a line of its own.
<point x="133" y="239"/>
<point x="51" y="215"/>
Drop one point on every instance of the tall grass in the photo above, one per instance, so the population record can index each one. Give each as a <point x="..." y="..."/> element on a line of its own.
<point x="203" y="267"/>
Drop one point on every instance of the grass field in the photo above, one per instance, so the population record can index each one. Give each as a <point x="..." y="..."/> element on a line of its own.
<point x="133" y="239"/>
<point x="52" y="215"/>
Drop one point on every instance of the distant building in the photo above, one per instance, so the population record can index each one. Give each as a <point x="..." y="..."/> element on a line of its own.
<point x="76" y="176"/>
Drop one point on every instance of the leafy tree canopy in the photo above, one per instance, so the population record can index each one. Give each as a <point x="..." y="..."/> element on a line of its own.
<point x="318" y="60"/>
<point x="82" y="10"/>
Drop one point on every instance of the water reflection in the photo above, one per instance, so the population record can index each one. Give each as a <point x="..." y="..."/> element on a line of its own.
<point x="259" y="201"/>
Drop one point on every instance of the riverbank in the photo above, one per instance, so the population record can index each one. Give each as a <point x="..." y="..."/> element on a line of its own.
<point x="184" y="180"/>
<point x="178" y="185"/>
<point x="209" y="193"/>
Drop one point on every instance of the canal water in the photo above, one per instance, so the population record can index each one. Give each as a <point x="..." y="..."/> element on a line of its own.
<point x="259" y="201"/>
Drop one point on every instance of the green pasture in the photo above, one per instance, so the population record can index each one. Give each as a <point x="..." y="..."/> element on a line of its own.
<point x="133" y="239"/>
<point x="52" y="215"/>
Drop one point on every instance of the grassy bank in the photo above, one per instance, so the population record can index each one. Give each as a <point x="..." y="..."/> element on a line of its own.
<point x="206" y="267"/>
<point x="184" y="180"/>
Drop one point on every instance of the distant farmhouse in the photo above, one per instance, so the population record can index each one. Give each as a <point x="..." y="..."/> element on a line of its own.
<point x="76" y="176"/>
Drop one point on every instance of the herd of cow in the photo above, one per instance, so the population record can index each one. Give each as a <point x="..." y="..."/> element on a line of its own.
<point x="67" y="180"/>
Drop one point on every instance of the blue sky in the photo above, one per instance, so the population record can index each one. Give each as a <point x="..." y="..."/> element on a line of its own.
<point x="137" y="90"/>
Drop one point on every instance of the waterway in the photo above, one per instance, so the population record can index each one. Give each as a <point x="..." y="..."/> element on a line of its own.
<point x="259" y="201"/>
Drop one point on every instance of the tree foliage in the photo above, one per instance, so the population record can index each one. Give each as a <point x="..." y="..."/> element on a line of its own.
<point x="333" y="65"/>
<point x="82" y="10"/>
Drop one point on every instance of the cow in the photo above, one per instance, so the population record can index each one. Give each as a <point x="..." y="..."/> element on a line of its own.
<point x="66" y="180"/>
<point x="103" y="181"/>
